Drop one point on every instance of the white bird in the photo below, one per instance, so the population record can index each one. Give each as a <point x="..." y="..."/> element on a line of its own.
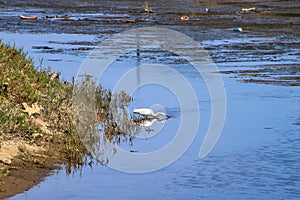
<point x="147" y="112"/>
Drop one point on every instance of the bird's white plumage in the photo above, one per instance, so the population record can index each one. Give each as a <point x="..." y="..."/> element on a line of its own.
<point x="147" y="112"/>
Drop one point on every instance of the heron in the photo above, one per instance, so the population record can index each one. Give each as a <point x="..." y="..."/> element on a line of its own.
<point x="148" y="112"/>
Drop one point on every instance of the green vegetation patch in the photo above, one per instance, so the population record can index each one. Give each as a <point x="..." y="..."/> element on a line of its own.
<point x="35" y="105"/>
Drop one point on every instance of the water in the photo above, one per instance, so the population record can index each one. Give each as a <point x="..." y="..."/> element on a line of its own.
<point x="258" y="153"/>
<point x="256" y="157"/>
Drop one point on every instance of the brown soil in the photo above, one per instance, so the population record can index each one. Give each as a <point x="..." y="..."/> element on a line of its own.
<point x="30" y="164"/>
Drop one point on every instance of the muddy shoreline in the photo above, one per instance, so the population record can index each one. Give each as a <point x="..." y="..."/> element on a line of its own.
<point x="36" y="132"/>
<point x="24" y="174"/>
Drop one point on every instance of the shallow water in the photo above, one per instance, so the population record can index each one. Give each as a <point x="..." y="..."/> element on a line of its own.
<point x="258" y="153"/>
<point x="256" y="157"/>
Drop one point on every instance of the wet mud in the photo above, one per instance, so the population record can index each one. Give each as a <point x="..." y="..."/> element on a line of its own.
<point x="269" y="43"/>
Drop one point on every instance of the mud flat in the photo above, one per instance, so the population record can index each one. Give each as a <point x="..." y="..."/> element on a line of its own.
<point x="268" y="44"/>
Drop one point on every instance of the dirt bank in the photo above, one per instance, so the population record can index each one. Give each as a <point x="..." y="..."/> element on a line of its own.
<point x="36" y="132"/>
<point x="26" y="168"/>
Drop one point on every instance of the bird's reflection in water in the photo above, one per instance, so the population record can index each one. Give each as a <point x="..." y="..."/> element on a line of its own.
<point x="149" y="126"/>
<point x="106" y="123"/>
<point x="145" y="122"/>
<point x="102" y="119"/>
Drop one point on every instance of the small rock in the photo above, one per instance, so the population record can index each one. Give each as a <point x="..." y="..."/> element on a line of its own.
<point x="128" y="21"/>
<point x="237" y="29"/>
<point x="184" y="18"/>
<point x="5" y="158"/>
<point x="35" y="108"/>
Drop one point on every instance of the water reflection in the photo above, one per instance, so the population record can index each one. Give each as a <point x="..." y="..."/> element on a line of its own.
<point x="149" y="126"/>
<point x="151" y="120"/>
<point x="97" y="128"/>
<point x="145" y="122"/>
<point x="110" y="123"/>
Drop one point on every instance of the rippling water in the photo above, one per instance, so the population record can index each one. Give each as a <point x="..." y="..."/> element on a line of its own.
<point x="258" y="153"/>
<point x="257" y="157"/>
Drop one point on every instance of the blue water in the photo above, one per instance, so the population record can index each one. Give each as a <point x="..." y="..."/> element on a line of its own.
<point x="256" y="157"/>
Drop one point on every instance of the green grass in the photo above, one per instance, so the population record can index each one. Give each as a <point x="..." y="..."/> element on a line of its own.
<point x="21" y="82"/>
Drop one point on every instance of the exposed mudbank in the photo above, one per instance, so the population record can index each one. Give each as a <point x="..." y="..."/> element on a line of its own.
<point x="270" y="37"/>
